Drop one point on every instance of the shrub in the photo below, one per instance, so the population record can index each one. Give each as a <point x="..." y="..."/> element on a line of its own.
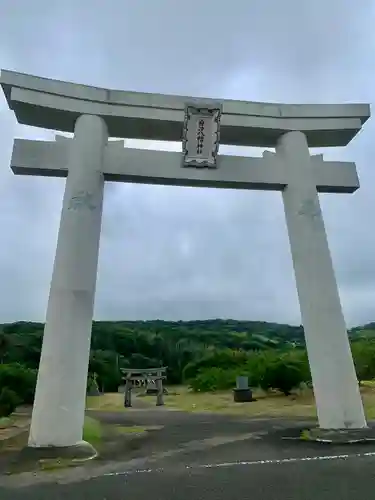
<point x="8" y="402"/>
<point x="20" y="380"/>
<point x="257" y="365"/>
<point x="364" y="359"/>
<point x="225" y="359"/>
<point x="266" y="369"/>
<point x="283" y="375"/>
<point x="92" y="384"/>
<point x="214" y="379"/>
<point x="300" y="357"/>
<point x="278" y="370"/>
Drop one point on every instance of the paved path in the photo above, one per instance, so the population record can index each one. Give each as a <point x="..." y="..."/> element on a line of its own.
<point x="342" y="480"/>
<point x="211" y="457"/>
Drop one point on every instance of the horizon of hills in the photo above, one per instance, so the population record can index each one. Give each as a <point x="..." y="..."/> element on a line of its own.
<point x="175" y="344"/>
<point x="192" y="322"/>
<point x="210" y="331"/>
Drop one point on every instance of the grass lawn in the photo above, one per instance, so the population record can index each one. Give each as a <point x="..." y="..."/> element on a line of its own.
<point x="13" y="428"/>
<point x="106" y="402"/>
<point x="272" y="404"/>
<point x="300" y="404"/>
<point x="5" y="422"/>
<point x="92" y="431"/>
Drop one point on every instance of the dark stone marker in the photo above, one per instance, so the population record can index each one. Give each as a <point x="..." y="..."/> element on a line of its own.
<point x="242" y="395"/>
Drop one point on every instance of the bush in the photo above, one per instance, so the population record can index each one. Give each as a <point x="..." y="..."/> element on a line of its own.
<point x="283" y="375"/>
<point x="278" y="370"/>
<point x="364" y="359"/>
<point x="225" y="359"/>
<point x="274" y="369"/>
<point x="300" y="357"/>
<point x="257" y="365"/>
<point x="214" y="379"/>
<point x="92" y="384"/>
<point x="8" y="402"/>
<point x="20" y="380"/>
<point x="105" y="365"/>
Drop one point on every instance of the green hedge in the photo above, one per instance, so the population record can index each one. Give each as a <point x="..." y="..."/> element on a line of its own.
<point x="268" y="370"/>
<point x="20" y="380"/>
<point x="8" y="402"/>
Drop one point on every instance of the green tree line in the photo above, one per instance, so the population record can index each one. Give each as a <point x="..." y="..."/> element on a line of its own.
<point x="206" y="354"/>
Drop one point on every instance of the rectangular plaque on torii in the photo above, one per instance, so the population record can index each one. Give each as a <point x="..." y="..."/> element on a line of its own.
<point x="201" y="135"/>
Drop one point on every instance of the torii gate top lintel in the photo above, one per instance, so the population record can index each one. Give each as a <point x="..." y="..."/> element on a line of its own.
<point x="56" y="105"/>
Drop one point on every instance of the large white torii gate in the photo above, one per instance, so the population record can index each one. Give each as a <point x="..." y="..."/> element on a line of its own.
<point x="89" y="159"/>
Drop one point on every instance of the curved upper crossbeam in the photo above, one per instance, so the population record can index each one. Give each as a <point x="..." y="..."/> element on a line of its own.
<point x="52" y="104"/>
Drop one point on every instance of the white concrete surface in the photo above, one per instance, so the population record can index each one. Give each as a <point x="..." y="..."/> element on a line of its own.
<point x="56" y="105"/>
<point x="58" y="412"/>
<point x="335" y="383"/>
<point x="160" y="167"/>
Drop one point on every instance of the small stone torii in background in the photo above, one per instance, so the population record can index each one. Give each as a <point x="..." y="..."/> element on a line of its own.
<point x="149" y="375"/>
<point x="88" y="160"/>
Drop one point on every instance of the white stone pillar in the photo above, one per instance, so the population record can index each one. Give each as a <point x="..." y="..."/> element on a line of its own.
<point x="337" y="395"/>
<point x="58" y="413"/>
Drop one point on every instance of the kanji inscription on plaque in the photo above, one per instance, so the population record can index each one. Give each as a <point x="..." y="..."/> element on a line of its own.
<point x="201" y="136"/>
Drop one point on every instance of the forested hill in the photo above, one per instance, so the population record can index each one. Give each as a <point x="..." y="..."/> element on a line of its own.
<point x="147" y="337"/>
<point x="145" y="344"/>
<point x="114" y="335"/>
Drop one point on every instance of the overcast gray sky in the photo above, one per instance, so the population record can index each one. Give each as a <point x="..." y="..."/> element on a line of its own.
<point x="182" y="253"/>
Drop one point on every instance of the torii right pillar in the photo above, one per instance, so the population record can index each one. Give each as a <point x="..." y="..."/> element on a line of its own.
<point x="337" y="396"/>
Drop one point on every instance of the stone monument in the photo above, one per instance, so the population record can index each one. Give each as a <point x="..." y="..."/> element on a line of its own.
<point x="88" y="160"/>
<point x="242" y="392"/>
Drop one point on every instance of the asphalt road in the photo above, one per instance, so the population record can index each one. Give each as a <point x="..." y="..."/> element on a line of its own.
<point x="199" y="458"/>
<point x="341" y="479"/>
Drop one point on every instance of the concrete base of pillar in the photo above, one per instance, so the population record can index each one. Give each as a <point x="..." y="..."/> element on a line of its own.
<point x="339" y="436"/>
<point x="79" y="452"/>
<point x="313" y="433"/>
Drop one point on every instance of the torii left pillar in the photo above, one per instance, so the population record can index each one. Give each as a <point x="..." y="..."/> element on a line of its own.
<point x="59" y="406"/>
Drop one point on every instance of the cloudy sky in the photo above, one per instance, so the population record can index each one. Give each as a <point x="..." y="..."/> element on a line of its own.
<point x="182" y="253"/>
